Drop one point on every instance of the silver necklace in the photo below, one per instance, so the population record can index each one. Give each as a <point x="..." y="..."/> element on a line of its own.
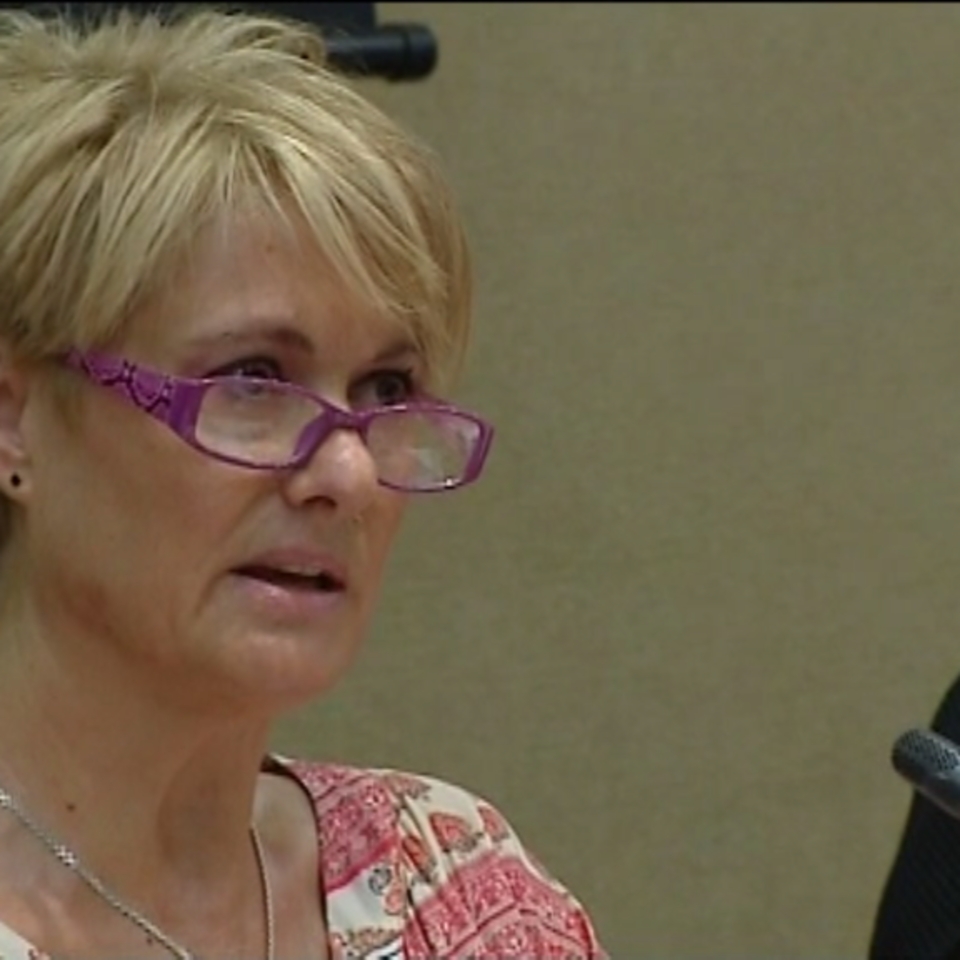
<point x="72" y="862"/>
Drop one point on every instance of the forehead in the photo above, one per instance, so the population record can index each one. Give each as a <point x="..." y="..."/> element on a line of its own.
<point x="246" y="273"/>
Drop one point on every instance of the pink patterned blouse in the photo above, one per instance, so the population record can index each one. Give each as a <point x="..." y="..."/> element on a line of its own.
<point x="413" y="868"/>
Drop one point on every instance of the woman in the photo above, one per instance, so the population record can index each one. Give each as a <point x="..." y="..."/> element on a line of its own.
<point x="229" y="291"/>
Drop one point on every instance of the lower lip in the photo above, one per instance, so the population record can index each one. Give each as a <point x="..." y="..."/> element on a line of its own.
<point x="289" y="603"/>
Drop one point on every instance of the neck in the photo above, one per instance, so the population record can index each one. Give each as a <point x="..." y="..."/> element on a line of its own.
<point x="109" y="767"/>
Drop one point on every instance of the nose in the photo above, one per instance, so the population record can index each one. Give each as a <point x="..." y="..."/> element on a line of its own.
<point x="341" y="472"/>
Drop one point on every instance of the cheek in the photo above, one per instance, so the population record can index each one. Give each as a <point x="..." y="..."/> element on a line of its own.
<point x="116" y="491"/>
<point x="384" y="526"/>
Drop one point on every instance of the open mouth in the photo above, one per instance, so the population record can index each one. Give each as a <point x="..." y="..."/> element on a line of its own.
<point x="322" y="582"/>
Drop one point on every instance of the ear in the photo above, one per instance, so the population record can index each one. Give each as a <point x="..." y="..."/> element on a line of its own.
<point x="14" y="389"/>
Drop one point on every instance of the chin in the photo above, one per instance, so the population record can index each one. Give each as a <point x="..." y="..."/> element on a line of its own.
<point x="287" y="669"/>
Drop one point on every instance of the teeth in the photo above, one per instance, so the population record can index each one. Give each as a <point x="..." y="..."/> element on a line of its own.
<point x="297" y="571"/>
<point x="303" y="571"/>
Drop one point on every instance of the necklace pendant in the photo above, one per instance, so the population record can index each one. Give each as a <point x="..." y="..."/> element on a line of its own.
<point x="66" y="856"/>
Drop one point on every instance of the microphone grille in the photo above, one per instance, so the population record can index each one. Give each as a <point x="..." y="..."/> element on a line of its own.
<point x="918" y="754"/>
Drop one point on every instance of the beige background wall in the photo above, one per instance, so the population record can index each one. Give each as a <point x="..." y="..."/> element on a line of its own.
<point x="714" y="568"/>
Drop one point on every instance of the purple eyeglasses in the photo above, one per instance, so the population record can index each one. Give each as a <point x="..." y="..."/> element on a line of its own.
<point x="418" y="447"/>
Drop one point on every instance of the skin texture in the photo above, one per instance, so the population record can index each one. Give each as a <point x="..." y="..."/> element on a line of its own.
<point x="134" y="654"/>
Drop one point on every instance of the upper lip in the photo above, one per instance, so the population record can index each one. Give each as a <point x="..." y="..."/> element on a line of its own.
<point x="300" y="560"/>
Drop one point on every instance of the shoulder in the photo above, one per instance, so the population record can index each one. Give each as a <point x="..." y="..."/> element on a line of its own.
<point x="472" y="887"/>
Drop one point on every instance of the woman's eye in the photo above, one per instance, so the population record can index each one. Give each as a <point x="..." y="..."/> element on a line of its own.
<point x="254" y="368"/>
<point x="386" y="388"/>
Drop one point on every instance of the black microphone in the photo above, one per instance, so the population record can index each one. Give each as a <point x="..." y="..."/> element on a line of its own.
<point x="931" y="764"/>
<point x="395" y="51"/>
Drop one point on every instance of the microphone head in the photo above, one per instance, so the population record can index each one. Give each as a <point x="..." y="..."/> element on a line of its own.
<point x="919" y="753"/>
<point x="931" y="764"/>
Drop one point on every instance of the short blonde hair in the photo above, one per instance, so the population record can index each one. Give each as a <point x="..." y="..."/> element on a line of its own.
<point x="122" y="135"/>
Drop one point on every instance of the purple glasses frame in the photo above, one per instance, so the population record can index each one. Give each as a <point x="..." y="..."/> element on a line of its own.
<point x="175" y="402"/>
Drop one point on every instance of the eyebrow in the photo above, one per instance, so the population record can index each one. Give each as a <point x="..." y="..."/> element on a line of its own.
<point x="401" y="347"/>
<point x="284" y="335"/>
<point x="281" y="334"/>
